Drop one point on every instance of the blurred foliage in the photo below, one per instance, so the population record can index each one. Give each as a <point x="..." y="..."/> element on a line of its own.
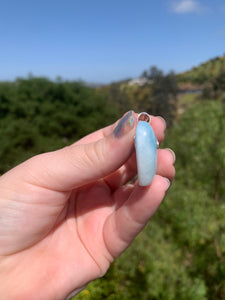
<point x="158" y="95"/>
<point x="204" y="72"/>
<point x="216" y="87"/>
<point x="38" y="115"/>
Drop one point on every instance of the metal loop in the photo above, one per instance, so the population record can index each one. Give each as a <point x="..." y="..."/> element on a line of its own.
<point x="143" y="116"/>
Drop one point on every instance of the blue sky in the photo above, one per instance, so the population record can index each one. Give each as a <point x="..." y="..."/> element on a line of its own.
<point x="103" y="41"/>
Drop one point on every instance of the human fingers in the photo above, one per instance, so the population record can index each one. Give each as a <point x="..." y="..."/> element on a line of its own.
<point x="97" y="135"/>
<point x="126" y="172"/>
<point x="130" y="218"/>
<point x="77" y="165"/>
<point x="165" y="168"/>
<point x="165" y="163"/>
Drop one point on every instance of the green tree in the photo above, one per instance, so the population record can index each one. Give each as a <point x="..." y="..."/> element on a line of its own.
<point x="164" y="95"/>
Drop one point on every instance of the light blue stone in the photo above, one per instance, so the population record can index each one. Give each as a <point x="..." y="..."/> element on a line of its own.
<point x="146" y="153"/>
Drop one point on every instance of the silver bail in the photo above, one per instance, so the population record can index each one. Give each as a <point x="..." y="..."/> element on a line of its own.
<point x="143" y="116"/>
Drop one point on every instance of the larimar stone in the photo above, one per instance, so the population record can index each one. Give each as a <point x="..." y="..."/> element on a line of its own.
<point x="146" y="153"/>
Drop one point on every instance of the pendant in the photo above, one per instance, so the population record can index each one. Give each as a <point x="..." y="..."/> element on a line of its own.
<point x="146" y="150"/>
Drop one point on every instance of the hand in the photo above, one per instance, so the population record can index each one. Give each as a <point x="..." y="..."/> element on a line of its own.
<point x="66" y="215"/>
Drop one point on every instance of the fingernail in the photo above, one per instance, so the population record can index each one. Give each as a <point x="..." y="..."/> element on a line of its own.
<point x="125" y="125"/>
<point x="167" y="182"/>
<point x="174" y="155"/>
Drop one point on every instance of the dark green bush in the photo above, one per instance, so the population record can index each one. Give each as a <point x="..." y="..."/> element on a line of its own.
<point x="37" y="115"/>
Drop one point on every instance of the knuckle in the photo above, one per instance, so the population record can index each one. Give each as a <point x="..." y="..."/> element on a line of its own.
<point x="94" y="156"/>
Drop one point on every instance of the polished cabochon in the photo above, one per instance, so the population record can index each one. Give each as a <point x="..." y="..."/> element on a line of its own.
<point x="146" y="153"/>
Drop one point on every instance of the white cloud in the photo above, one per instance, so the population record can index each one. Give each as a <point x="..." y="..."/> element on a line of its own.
<point x="187" y="6"/>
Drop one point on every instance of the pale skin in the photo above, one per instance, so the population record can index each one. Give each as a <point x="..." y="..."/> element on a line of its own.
<point x="66" y="215"/>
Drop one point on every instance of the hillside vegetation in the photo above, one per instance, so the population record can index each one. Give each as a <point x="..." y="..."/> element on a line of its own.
<point x="181" y="253"/>
<point x="205" y="72"/>
<point x="159" y="96"/>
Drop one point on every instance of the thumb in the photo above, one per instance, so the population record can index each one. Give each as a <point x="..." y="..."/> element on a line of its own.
<point x="79" y="164"/>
